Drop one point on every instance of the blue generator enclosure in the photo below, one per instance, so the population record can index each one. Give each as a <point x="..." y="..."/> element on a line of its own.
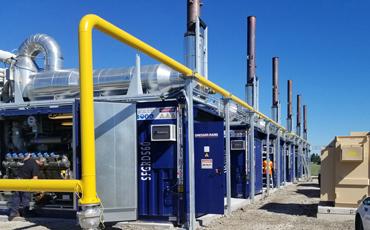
<point x="163" y="162"/>
<point x="281" y="165"/>
<point x="297" y="164"/>
<point x="258" y="137"/>
<point x="157" y="160"/>
<point x="238" y="150"/>
<point x="291" y="167"/>
<point x="287" y="163"/>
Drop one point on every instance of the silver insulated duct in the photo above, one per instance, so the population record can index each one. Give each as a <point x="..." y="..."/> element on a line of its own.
<point x="27" y="52"/>
<point x="53" y="82"/>
<point x="42" y="43"/>
<point x="115" y="81"/>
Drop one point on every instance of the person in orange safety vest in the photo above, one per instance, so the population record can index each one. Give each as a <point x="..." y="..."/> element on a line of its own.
<point x="265" y="168"/>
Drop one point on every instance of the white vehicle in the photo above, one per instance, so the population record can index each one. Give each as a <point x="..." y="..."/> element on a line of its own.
<point x="362" y="221"/>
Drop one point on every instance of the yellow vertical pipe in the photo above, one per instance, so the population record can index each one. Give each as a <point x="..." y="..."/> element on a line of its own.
<point x="89" y="195"/>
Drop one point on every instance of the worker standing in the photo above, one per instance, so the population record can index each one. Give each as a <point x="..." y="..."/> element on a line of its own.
<point x="29" y="170"/>
<point x="267" y="169"/>
<point x="271" y="167"/>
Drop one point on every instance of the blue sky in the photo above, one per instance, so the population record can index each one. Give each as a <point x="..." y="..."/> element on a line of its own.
<point x="324" y="47"/>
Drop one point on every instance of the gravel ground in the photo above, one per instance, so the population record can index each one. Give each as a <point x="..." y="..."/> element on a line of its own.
<point x="293" y="207"/>
<point x="56" y="224"/>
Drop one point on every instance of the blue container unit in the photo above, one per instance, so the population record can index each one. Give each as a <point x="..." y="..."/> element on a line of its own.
<point x="239" y="180"/>
<point x="298" y="164"/>
<point x="163" y="186"/>
<point x="279" y="164"/>
<point x="281" y="168"/>
<point x="287" y="163"/>
<point x="258" y="138"/>
<point x="291" y="169"/>
<point x="157" y="161"/>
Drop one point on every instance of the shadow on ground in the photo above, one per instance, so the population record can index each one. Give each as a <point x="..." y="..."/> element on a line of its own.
<point x="309" y="210"/>
<point x="311" y="193"/>
<point x="50" y="224"/>
<point x="316" y="185"/>
<point x="49" y="219"/>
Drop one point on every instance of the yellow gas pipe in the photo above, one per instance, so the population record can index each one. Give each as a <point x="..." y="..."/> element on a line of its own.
<point x="87" y="185"/>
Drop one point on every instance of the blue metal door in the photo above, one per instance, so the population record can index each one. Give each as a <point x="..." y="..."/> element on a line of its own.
<point x="288" y="166"/>
<point x="238" y="175"/>
<point x="281" y="154"/>
<point x="258" y="165"/>
<point x="291" y="165"/>
<point x="239" y="187"/>
<point x="157" y="165"/>
<point x="209" y="163"/>
<point x="296" y="165"/>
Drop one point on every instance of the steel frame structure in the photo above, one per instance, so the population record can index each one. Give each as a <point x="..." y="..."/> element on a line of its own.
<point x="245" y="113"/>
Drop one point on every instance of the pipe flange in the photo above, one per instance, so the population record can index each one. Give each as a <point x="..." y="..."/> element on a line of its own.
<point x="90" y="216"/>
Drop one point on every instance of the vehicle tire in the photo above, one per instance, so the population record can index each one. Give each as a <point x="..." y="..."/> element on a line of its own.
<point x="358" y="223"/>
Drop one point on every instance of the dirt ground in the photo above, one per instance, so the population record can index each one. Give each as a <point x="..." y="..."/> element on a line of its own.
<point x="38" y="225"/>
<point x="293" y="207"/>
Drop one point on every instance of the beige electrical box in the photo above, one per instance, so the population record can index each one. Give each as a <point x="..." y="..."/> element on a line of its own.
<point x="351" y="153"/>
<point x="345" y="170"/>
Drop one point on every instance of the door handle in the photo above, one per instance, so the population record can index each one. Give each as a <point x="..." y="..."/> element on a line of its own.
<point x="218" y="171"/>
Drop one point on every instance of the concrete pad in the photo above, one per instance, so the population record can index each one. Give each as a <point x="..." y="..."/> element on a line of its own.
<point x="237" y="203"/>
<point x="4" y="218"/>
<point x="258" y="197"/>
<point x="335" y="217"/>
<point x="207" y="219"/>
<point x="145" y="225"/>
<point x="336" y="210"/>
<point x="335" y="213"/>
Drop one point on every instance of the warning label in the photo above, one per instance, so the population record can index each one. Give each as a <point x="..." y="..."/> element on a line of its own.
<point x="206" y="164"/>
<point x="160" y="113"/>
